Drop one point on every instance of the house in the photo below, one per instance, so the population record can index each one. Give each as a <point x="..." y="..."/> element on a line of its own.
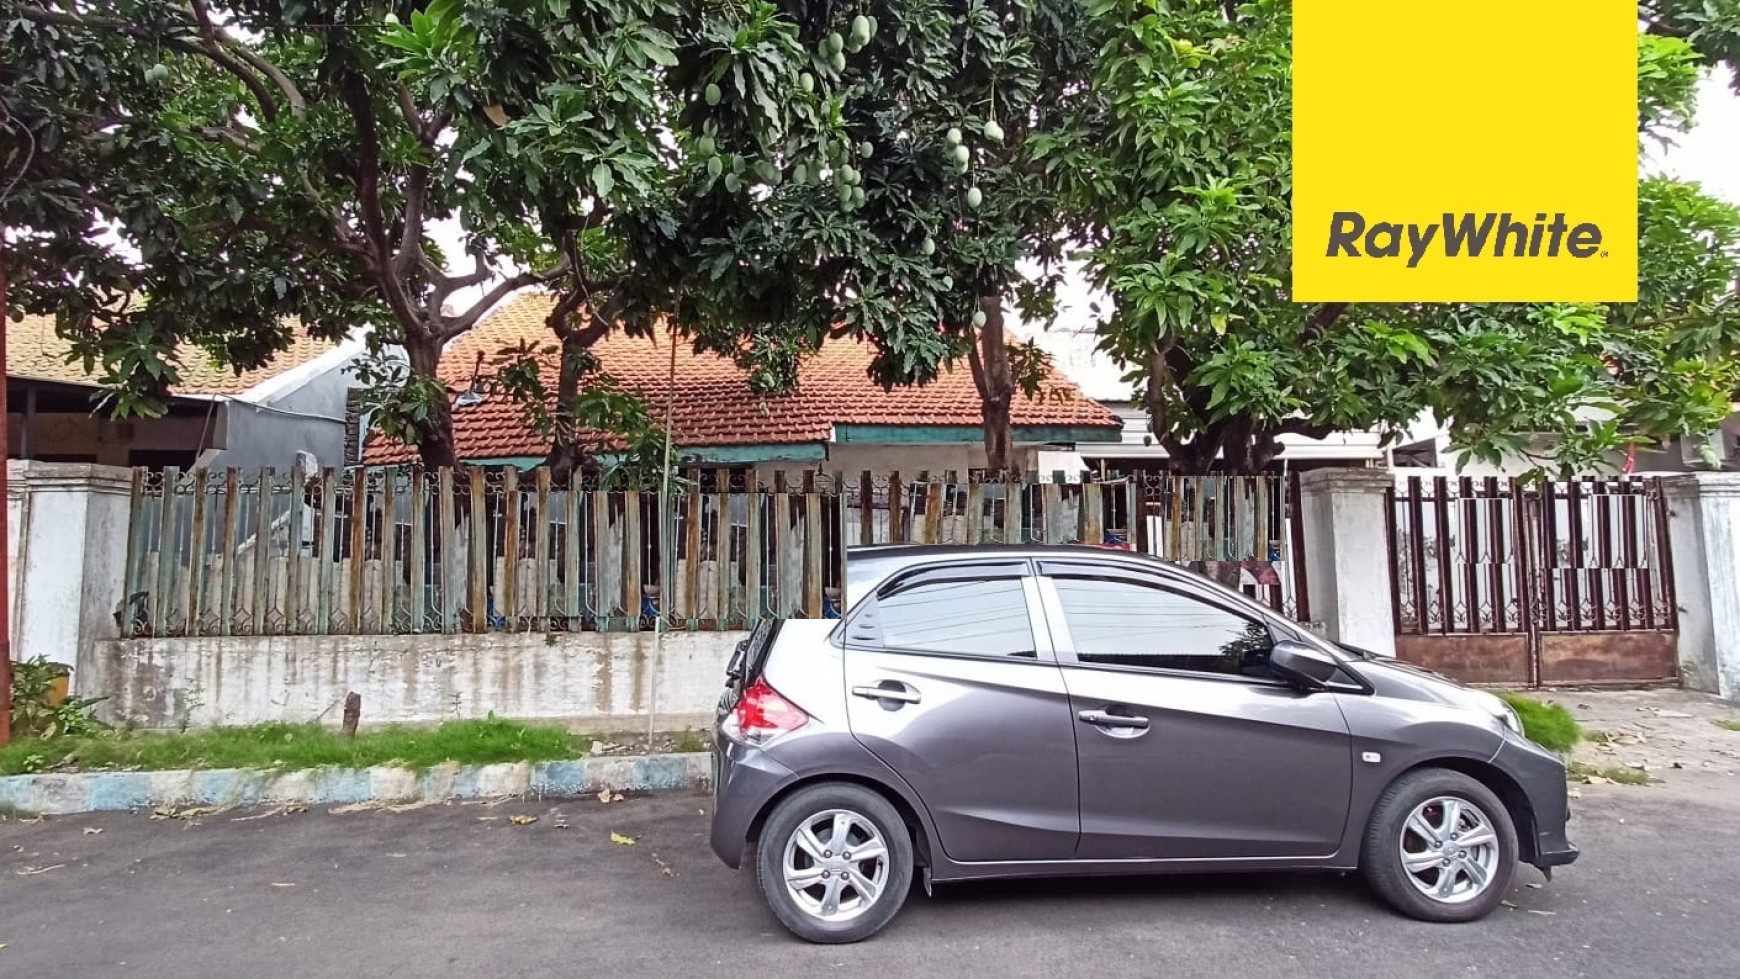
<point x="216" y="418"/>
<point x="1072" y="345"/>
<point x="836" y="419"/>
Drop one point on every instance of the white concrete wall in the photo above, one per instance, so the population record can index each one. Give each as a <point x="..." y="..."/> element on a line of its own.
<point x="67" y="528"/>
<point x="1704" y="531"/>
<point x="1347" y="565"/>
<point x="601" y="681"/>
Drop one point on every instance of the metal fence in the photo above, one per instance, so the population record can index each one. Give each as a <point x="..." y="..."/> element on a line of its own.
<point x="404" y="550"/>
<point x="1501" y="556"/>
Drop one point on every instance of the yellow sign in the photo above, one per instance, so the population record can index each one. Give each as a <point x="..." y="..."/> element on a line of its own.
<point x="1476" y="151"/>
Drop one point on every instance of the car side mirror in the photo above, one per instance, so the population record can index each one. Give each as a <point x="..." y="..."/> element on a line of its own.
<point x="1305" y="666"/>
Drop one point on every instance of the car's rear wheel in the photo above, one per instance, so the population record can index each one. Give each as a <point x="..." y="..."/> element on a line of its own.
<point x="834" y="862"/>
<point x="1440" y="847"/>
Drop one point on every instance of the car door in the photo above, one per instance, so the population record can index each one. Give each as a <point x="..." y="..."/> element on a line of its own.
<point x="1187" y="747"/>
<point x="951" y="682"/>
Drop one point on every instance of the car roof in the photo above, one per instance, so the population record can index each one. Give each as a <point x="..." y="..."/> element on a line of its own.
<point x="867" y="566"/>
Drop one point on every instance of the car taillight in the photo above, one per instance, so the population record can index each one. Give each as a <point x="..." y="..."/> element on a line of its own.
<point x="761" y="714"/>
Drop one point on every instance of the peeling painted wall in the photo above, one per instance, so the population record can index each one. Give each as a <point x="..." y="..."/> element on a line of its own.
<point x="594" y="680"/>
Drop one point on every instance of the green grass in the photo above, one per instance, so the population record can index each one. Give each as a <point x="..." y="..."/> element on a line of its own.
<point x="688" y="740"/>
<point x="288" y="746"/>
<point x="1729" y="725"/>
<point x="1549" y="725"/>
<point x="1617" y="773"/>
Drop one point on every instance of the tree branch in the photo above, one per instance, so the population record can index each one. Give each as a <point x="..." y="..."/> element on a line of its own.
<point x="224" y="134"/>
<point x="292" y="94"/>
<point x="1323" y="318"/>
<point x="454" y="326"/>
<point x="411" y="239"/>
<point x="207" y="49"/>
<point x="1305" y="427"/>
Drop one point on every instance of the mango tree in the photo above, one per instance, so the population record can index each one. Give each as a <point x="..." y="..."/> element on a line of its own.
<point x="1179" y="172"/>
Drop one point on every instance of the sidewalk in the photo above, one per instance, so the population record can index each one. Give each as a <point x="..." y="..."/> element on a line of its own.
<point x="1671" y="734"/>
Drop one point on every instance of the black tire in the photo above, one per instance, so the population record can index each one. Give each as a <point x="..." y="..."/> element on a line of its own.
<point x="808" y="804"/>
<point x="1381" y="857"/>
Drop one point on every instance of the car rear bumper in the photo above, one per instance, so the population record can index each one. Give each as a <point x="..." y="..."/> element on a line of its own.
<point x="745" y="779"/>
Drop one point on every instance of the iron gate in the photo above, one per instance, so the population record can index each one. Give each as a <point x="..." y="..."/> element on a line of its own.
<point x="1504" y="582"/>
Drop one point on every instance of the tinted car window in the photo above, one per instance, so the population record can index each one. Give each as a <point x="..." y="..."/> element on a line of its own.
<point x="1122" y="623"/>
<point x="986" y="617"/>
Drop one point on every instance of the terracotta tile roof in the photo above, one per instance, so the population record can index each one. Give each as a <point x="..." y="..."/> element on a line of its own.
<point x="714" y="406"/>
<point x="34" y="351"/>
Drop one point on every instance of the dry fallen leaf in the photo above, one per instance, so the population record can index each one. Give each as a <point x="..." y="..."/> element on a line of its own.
<point x="667" y="872"/>
<point x="620" y="839"/>
<point x="92" y="830"/>
<point x="1507" y="904"/>
<point x="33" y="871"/>
<point x="522" y="820"/>
<point x="1538" y="911"/>
<point x="396" y="856"/>
<point x="487" y="819"/>
<point x="276" y="884"/>
<point x="496" y="114"/>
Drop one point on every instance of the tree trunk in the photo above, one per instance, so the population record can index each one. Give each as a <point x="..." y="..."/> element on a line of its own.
<point x="435" y="445"/>
<point x="567" y="453"/>
<point x="1234" y="446"/>
<point x="993" y="377"/>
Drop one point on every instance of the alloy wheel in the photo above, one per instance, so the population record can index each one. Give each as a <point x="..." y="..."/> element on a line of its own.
<point x="1449" y="849"/>
<point x="835" y="865"/>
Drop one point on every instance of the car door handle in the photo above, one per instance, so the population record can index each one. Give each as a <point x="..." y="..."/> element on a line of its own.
<point x="1104" y="719"/>
<point x="892" y="691"/>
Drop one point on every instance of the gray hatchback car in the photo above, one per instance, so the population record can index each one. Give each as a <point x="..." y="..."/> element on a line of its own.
<point x="986" y="712"/>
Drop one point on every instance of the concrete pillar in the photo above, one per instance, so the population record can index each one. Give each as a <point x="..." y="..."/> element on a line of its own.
<point x="69" y="524"/>
<point x="1704" y="532"/>
<point x="1347" y="555"/>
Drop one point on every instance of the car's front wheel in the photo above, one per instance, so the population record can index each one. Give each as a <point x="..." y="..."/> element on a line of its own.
<point x="834" y="862"/>
<point x="1440" y="847"/>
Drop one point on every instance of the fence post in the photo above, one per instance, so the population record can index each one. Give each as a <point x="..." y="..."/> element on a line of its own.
<point x="1347" y="555"/>
<point x="70" y="528"/>
<point x="1703" y="531"/>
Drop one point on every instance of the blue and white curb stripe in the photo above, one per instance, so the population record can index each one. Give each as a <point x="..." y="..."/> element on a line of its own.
<point x="54" y="795"/>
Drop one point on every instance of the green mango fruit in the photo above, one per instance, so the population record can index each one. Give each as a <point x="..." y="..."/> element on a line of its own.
<point x="993" y="132"/>
<point x="839" y="62"/>
<point x="927" y="246"/>
<point x="975" y="197"/>
<point x="953" y="136"/>
<point x="978" y="317"/>
<point x="714" y="93"/>
<point x="733" y="183"/>
<point x="807" y="82"/>
<point x="962" y="156"/>
<point x="715" y="167"/>
<point x="865" y="150"/>
<point x="705" y="146"/>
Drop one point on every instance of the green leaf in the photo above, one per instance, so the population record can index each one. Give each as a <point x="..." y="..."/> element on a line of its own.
<point x="603" y="181"/>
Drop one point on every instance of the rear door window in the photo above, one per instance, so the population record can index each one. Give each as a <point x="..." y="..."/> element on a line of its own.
<point x="983" y="618"/>
<point x="964" y="610"/>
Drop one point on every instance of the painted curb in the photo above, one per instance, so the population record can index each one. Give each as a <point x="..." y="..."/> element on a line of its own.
<point x="59" y="795"/>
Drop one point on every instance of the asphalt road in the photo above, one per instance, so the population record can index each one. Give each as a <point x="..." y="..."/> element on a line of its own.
<point x="462" y="890"/>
